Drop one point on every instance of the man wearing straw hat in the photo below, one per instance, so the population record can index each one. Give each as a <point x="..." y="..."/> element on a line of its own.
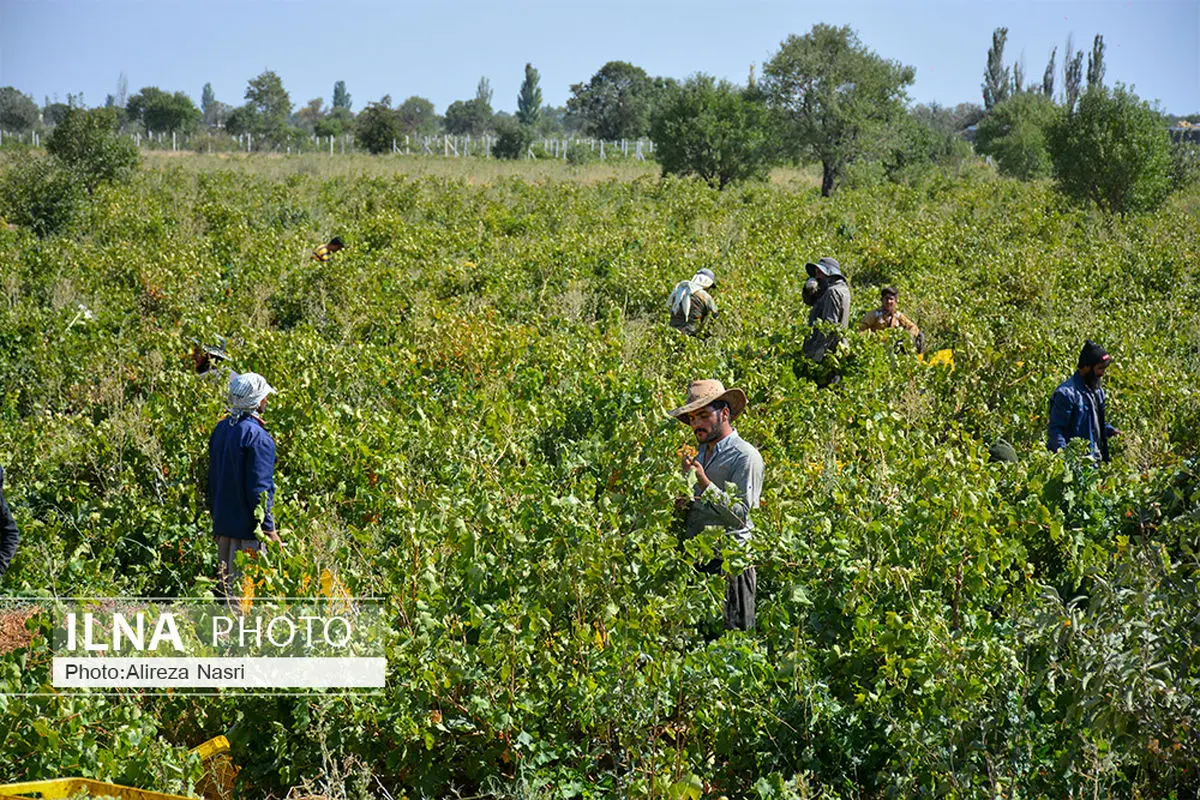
<point x="241" y="475"/>
<point x="691" y="304"/>
<point x="729" y="477"/>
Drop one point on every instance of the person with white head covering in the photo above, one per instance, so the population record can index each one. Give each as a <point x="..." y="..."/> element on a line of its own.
<point x="241" y="476"/>
<point x="691" y="304"/>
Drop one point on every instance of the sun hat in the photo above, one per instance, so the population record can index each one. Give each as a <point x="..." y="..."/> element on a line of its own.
<point x="826" y="264"/>
<point x="703" y="392"/>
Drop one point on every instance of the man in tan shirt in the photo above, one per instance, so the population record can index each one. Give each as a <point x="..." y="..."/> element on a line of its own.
<point x="886" y="316"/>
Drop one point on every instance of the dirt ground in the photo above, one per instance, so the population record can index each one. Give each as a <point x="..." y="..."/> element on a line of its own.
<point x="13" y="634"/>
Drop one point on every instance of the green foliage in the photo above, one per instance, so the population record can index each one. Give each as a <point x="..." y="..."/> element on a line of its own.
<point x="18" y="112"/>
<point x="341" y="98"/>
<point x="87" y="143"/>
<point x="1095" y="67"/>
<point x="997" y="84"/>
<point x="717" y="131"/>
<point x="161" y="111"/>
<point x="834" y="96"/>
<point x="471" y="426"/>
<point x="417" y="117"/>
<point x="1113" y="151"/>
<point x="1016" y="133"/>
<point x="468" y="118"/>
<point x="616" y="102"/>
<point x="268" y="107"/>
<point x="529" y="100"/>
<point x="512" y="139"/>
<point x="378" y="127"/>
<point x="41" y="194"/>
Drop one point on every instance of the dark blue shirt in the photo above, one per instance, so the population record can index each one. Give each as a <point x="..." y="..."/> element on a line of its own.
<point x="1077" y="412"/>
<point x="241" y="467"/>
<point x="8" y="531"/>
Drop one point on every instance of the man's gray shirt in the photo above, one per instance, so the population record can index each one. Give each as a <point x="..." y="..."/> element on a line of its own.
<point x="735" y="470"/>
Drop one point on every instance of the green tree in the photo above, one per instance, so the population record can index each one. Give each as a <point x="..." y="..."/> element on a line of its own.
<point x="378" y="126"/>
<point x="417" y="117"/>
<point x="207" y="98"/>
<point x="834" y="97"/>
<point x="1095" y="69"/>
<point x="468" y="117"/>
<point x="18" y="112"/>
<point x="715" y="130"/>
<point x="240" y="120"/>
<point x="311" y="113"/>
<point x="615" y="103"/>
<point x="529" y="100"/>
<point x="161" y="111"/>
<point x="996" y="79"/>
<point x="512" y="139"/>
<point x="1016" y="132"/>
<point x="53" y="113"/>
<point x="1114" y="151"/>
<point x="271" y="106"/>
<point x="1048" y="75"/>
<point x="1072" y="77"/>
<point x="341" y="98"/>
<point x="483" y="92"/>
<point x="87" y="142"/>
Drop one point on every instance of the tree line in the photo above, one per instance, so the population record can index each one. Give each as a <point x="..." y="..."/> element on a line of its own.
<point x="823" y="98"/>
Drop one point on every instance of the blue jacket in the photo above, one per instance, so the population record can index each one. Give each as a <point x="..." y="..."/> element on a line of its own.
<point x="8" y="531"/>
<point x="1071" y="417"/>
<point x="241" y="466"/>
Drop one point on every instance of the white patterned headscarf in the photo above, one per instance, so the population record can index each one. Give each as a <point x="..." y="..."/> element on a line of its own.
<point x="681" y="298"/>
<point x="246" y="391"/>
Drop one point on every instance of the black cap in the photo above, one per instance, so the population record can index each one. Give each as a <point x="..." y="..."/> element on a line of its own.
<point x="337" y="240"/>
<point x="1092" y="354"/>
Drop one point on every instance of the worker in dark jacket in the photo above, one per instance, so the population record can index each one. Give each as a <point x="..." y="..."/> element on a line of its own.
<point x="9" y="536"/>
<point x="241" y="475"/>
<point x="832" y="304"/>
<point x="1077" y="406"/>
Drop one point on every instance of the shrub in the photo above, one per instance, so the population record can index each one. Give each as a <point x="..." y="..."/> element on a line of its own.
<point x="87" y="142"/>
<point x="42" y="194"/>
<point x="512" y="139"/>
<point x="1015" y="134"/>
<point x="1114" y="151"/>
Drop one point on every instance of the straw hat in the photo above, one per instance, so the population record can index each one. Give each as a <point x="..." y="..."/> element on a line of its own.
<point x="701" y="393"/>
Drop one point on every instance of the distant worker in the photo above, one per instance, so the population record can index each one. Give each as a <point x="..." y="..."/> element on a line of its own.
<point x="326" y="251"/>
<point x="1077" y="406"/>
<point x="9" y="536"/>
<point x="241" y="475"/>
<point x="886" y="317"/>
<point x="729" y="478"/>
<point x="831" y="304"/>
<point x="210" y="361"/>
<point x="691" y="304"/>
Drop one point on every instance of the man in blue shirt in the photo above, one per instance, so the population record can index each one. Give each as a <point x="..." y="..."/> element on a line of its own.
<point x="241" y="475"/>
<point x="9" y="536"/>
<point x="1077" y="406"/>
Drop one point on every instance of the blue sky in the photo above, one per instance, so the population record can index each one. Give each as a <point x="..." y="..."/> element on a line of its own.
<point x="439" y="50"/>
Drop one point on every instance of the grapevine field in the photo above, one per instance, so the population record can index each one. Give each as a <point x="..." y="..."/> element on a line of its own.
<point x="471" y="424"/>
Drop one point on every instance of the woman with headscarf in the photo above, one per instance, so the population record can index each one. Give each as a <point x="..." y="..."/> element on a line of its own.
<point x="691" y="304"/>
<point x="241" y="475"/>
